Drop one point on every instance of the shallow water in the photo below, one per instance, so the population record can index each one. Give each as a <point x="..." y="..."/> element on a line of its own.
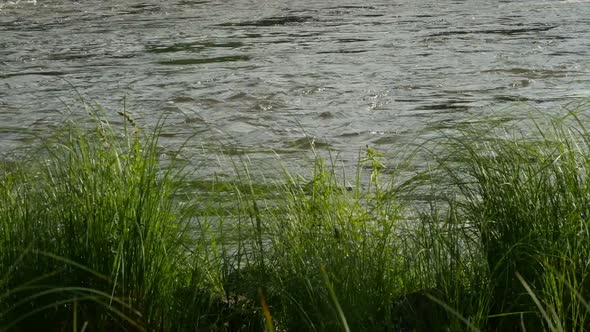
<point x="258" y="76"/>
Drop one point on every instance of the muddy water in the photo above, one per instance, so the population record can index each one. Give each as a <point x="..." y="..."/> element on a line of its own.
<point x="260" y="76"/>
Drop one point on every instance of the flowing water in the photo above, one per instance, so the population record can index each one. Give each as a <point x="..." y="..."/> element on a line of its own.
<point x="263" y="76"/>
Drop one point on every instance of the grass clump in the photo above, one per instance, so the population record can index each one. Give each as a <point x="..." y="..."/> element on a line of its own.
<point x="322" y="224"/>
<point x="315" y="249"/>
<point x="525" y="198"/>
<point x="90" y="233"/>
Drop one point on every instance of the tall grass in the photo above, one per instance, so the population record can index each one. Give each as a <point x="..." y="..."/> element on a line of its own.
<point x="89" y="229"/>
<point x="525" y="196"/>
<point x="98" y="233"/>
<point x="319" y="223"/>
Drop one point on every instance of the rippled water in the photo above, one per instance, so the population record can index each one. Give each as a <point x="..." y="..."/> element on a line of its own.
<point x="252" y="74"/>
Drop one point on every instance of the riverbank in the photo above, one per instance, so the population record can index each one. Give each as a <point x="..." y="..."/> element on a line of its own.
<point x="98" y="232"/>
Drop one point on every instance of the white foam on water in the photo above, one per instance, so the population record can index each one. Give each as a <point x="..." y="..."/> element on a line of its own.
<point x="14" y="3"/>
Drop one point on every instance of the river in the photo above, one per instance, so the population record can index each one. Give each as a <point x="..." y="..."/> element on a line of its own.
<point x="261" y="76"/>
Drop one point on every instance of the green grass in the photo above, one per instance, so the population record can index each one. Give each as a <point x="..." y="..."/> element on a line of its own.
<point x="88" y="222"/>
<point x="522" y="200"/>
<point x="97" y="232"/>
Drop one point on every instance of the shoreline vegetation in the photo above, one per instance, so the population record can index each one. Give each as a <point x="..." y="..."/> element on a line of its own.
<point x="97" y="233"/>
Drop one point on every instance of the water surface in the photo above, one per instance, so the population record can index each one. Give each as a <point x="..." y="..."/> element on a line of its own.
<point x="260" y="76"/>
